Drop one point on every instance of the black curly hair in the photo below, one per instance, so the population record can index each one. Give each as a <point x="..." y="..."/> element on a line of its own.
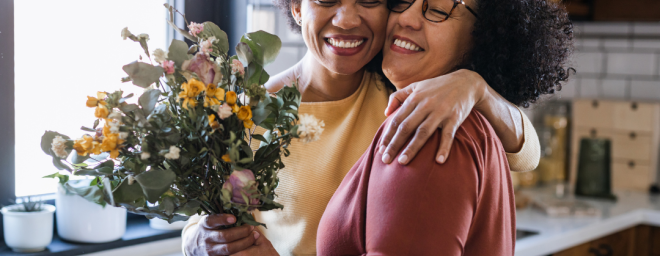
<point x="521" y="47"/>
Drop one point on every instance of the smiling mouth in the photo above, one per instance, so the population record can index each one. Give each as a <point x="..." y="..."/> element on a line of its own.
<point x="407" y="45"/>
<point x="346" y="44"/>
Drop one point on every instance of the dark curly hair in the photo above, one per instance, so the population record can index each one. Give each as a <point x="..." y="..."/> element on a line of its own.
<point x="521" y="47"/>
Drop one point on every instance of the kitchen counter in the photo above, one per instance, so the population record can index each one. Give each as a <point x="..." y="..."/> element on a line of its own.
<point x="559" y="233"/>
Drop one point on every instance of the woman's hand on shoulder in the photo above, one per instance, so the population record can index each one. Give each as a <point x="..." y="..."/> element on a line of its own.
<point x="208" y="239"/>
<point x="442" y="102"/>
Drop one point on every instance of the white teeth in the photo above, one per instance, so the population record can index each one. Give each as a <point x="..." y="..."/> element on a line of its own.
<point x="406" y="45"/>
<point x="345" y="44"/>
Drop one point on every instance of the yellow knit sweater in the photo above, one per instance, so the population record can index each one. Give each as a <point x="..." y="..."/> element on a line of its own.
<point x="314" y="171"/>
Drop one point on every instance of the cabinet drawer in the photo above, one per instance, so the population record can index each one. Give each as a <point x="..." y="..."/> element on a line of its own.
<point x="631" y="175"/>
<point x="617" y="244"/>
<point x="593" y="113"/>
<point x="634" y="116"/>
<point x="631" y="145"/>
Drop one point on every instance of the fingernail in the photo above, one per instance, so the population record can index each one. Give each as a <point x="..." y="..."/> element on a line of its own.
<point x="256" y="235"/>
<point x="403" y="159"/>
<point x="381" y="149"/>
<point x="251" y="228"/>
<point x="231" y="219"/>
<point x="441" y="159"/>
<point x="386" y="158"/>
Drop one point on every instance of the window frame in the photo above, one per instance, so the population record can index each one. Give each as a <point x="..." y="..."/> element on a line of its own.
<point x="7" y="128"/>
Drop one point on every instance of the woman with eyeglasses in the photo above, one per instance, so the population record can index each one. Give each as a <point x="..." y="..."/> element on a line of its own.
<point x="340" y="84"/>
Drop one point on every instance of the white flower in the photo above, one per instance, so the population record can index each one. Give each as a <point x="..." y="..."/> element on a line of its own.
<point x="131" y="179"/>
<point x="114" y="125"/>
<point x="160" y="55"/>
<point x="143" y="36"/>
<point x="223" y="110"/>
<point x="207" y="45"/>
<point x="174" y="153"/>
<point x="116" y="115"/>
<point x="125" y="33"/>
<point x="123" y="135"/>
<point x="145" y="155"/>
<point x="310" y="128"/>
<point x="59" y="147"/>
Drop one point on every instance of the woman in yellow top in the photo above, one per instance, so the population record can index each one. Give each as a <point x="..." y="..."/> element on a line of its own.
<point x="344" y="38"/>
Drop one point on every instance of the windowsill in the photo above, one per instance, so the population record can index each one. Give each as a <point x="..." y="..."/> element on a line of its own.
<point x="137" y="232"/>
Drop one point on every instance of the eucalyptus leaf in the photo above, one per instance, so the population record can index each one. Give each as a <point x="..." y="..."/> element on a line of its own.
<point x="77" y="159"/>
<point x="143" y="74"/>
<point x="167" y="205"/>
<point x="128" y="108"/>
<point x="62" y="178"/>
<point x="244" y="53"/>
<point x="148" y="101"/>
<point x="265" y="46"/>
<point x="178" y="52"/>
<point x="125" y="193"/>
<point x="57" y="162"/>
<point x="90" y="193"/>
<point x="189" y="209"/>
<point x="210" y="29"/>
<point x="155" y="182"/>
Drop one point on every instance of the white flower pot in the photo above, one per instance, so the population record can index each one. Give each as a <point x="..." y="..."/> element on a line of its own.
<point x="79" y="220"/>
<point x="28" y="231"/>
<point x="157" y="223"/>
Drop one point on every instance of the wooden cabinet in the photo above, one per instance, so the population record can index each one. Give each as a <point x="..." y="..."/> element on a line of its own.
<point x="634" y="131"/>
<point x="637" y="241"/>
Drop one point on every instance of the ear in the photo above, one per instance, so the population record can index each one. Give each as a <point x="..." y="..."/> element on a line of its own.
<point x="295" y="9"/>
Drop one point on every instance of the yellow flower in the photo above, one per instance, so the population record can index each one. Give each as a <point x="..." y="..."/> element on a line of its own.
<point x="244" y="113"/>
<point x="190" y="91"/>
<point x="234" y="108"/>
<point x="213" y="123"/>
<point x="248" y="124"/>
<point x="213" y="95"/>
<point x="84" y="145"/>
<point x="95" y="102"/>
<point x="101" y="112"/>
<point x="111" y="143"/>
<point x="231" y="98"/>
<point x="226" y="158"/>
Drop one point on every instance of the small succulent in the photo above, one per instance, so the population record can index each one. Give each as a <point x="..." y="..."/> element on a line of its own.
<point x="30" y="205"/>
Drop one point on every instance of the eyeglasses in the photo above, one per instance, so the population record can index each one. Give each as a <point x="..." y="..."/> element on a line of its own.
<point x="437" y="12"/>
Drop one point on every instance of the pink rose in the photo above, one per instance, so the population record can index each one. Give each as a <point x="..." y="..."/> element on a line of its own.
<point x="195" y="28"/>
<point x="238" y="182"/>
<point x="237" y="67"/>
<point x="207" y="71"/>
<point x="168" y="65"/>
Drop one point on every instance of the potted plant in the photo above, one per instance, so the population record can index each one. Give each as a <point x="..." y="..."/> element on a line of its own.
<point x="28" y="227"/>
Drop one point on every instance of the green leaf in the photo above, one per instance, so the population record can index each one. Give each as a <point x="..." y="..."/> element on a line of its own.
<point x="107" y="190"/>
<point x="148" y="101"/>
<point x="128" y="108"/>
<point x="87" y="129"/>
<point x="265" y="46"/>
<point x="143" y="74"/>
<point x="178" y="52"/>
<point x="125" y="193"/>
<point x="63" y="178"/>
<point x="244" y="53"/>
<point x="167" y="205"/>
<point x="57" y="162"/>
<point x="210" y="29"/>
<point x="77" y="159"/>
<point x="90" y="193"/>
<point x="257" y="74"/>
<point x="155" y="182"/>
<point x="189" y="209"/>
<point x="260" y="138"/>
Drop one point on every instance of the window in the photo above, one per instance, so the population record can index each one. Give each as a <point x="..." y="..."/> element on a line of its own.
<point x="65" y="51"/>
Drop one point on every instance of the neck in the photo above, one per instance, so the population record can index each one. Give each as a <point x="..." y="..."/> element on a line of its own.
<point x="318" y="84"/>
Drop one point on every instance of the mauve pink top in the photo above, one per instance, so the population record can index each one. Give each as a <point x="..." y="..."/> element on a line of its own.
<point x="462" y="207"/>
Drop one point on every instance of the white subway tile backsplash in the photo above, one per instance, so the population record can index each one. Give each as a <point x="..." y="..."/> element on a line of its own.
<point x="613" y="89"/>
<point x="646" y="44"/>
<point x="645" y="90"/>
<point x="607" y="28"/>
<point x="589" y="88"/>
<point x="647" y="28"/>
<point x="589" y="62"/>
<point x="631" y="63"/>
<point x="617" y="44"/>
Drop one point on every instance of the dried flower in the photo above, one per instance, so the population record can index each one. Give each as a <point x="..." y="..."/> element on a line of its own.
<point x="237" y="67"/>
<point x="207" y="70"/>
<point x="207" y="45"/>
<point x="101" y="112"/>
<point x="231" y="98"/>
<point x="213" y="123"/>
<point x="223" y="110"/>
<point x="59" y="147"/>
<point x="190" y="91"/>
<point x="244" y="113"/>
<point x="115" y="115"/>
<point x="226" y="158"/>
<point x="131" y="179"/>
<point x="240" y="183"/>
<point x="123" y="135"/>
<point x="125" y="33"/>
<point x="168" y="66"/>
<point x="195" y="28"/>
<point x="143" y="36"/>
<point x="145" y="155"/>
<point x="310" y="128"/>
<point x="160" y="55"/>
<point x="214" y="95"/>
<point x="111" y="143"/>
<point x="173" y="154"/>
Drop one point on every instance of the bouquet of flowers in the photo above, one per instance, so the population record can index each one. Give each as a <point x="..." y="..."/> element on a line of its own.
<point x="189" y="145"/>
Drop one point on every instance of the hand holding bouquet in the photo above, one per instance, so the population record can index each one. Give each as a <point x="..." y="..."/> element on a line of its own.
<point x="186" y="146"/>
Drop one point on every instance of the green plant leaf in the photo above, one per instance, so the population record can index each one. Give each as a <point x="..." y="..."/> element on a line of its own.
<point x="107" y="190"/>
<point x="57" y="162"/>
<point x="90" y="193"/>
<point x="265" y="46"/>
<point x="210" y="29"/>
<point x="189" y="209"/>
<point x="63" y="178"/>
<point x="125" y="193"/>
<point x="143" y="74"/>
<point x="167" y="205"/>
<point x="155" y="182"/>
<point x="244" y="53"/>
<point x="128" y="108"/>
<point x="77" y="159"/>
<point x="178" y="52"/>
<point x="148" y="101"/>
<point x="257" y="74"/>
